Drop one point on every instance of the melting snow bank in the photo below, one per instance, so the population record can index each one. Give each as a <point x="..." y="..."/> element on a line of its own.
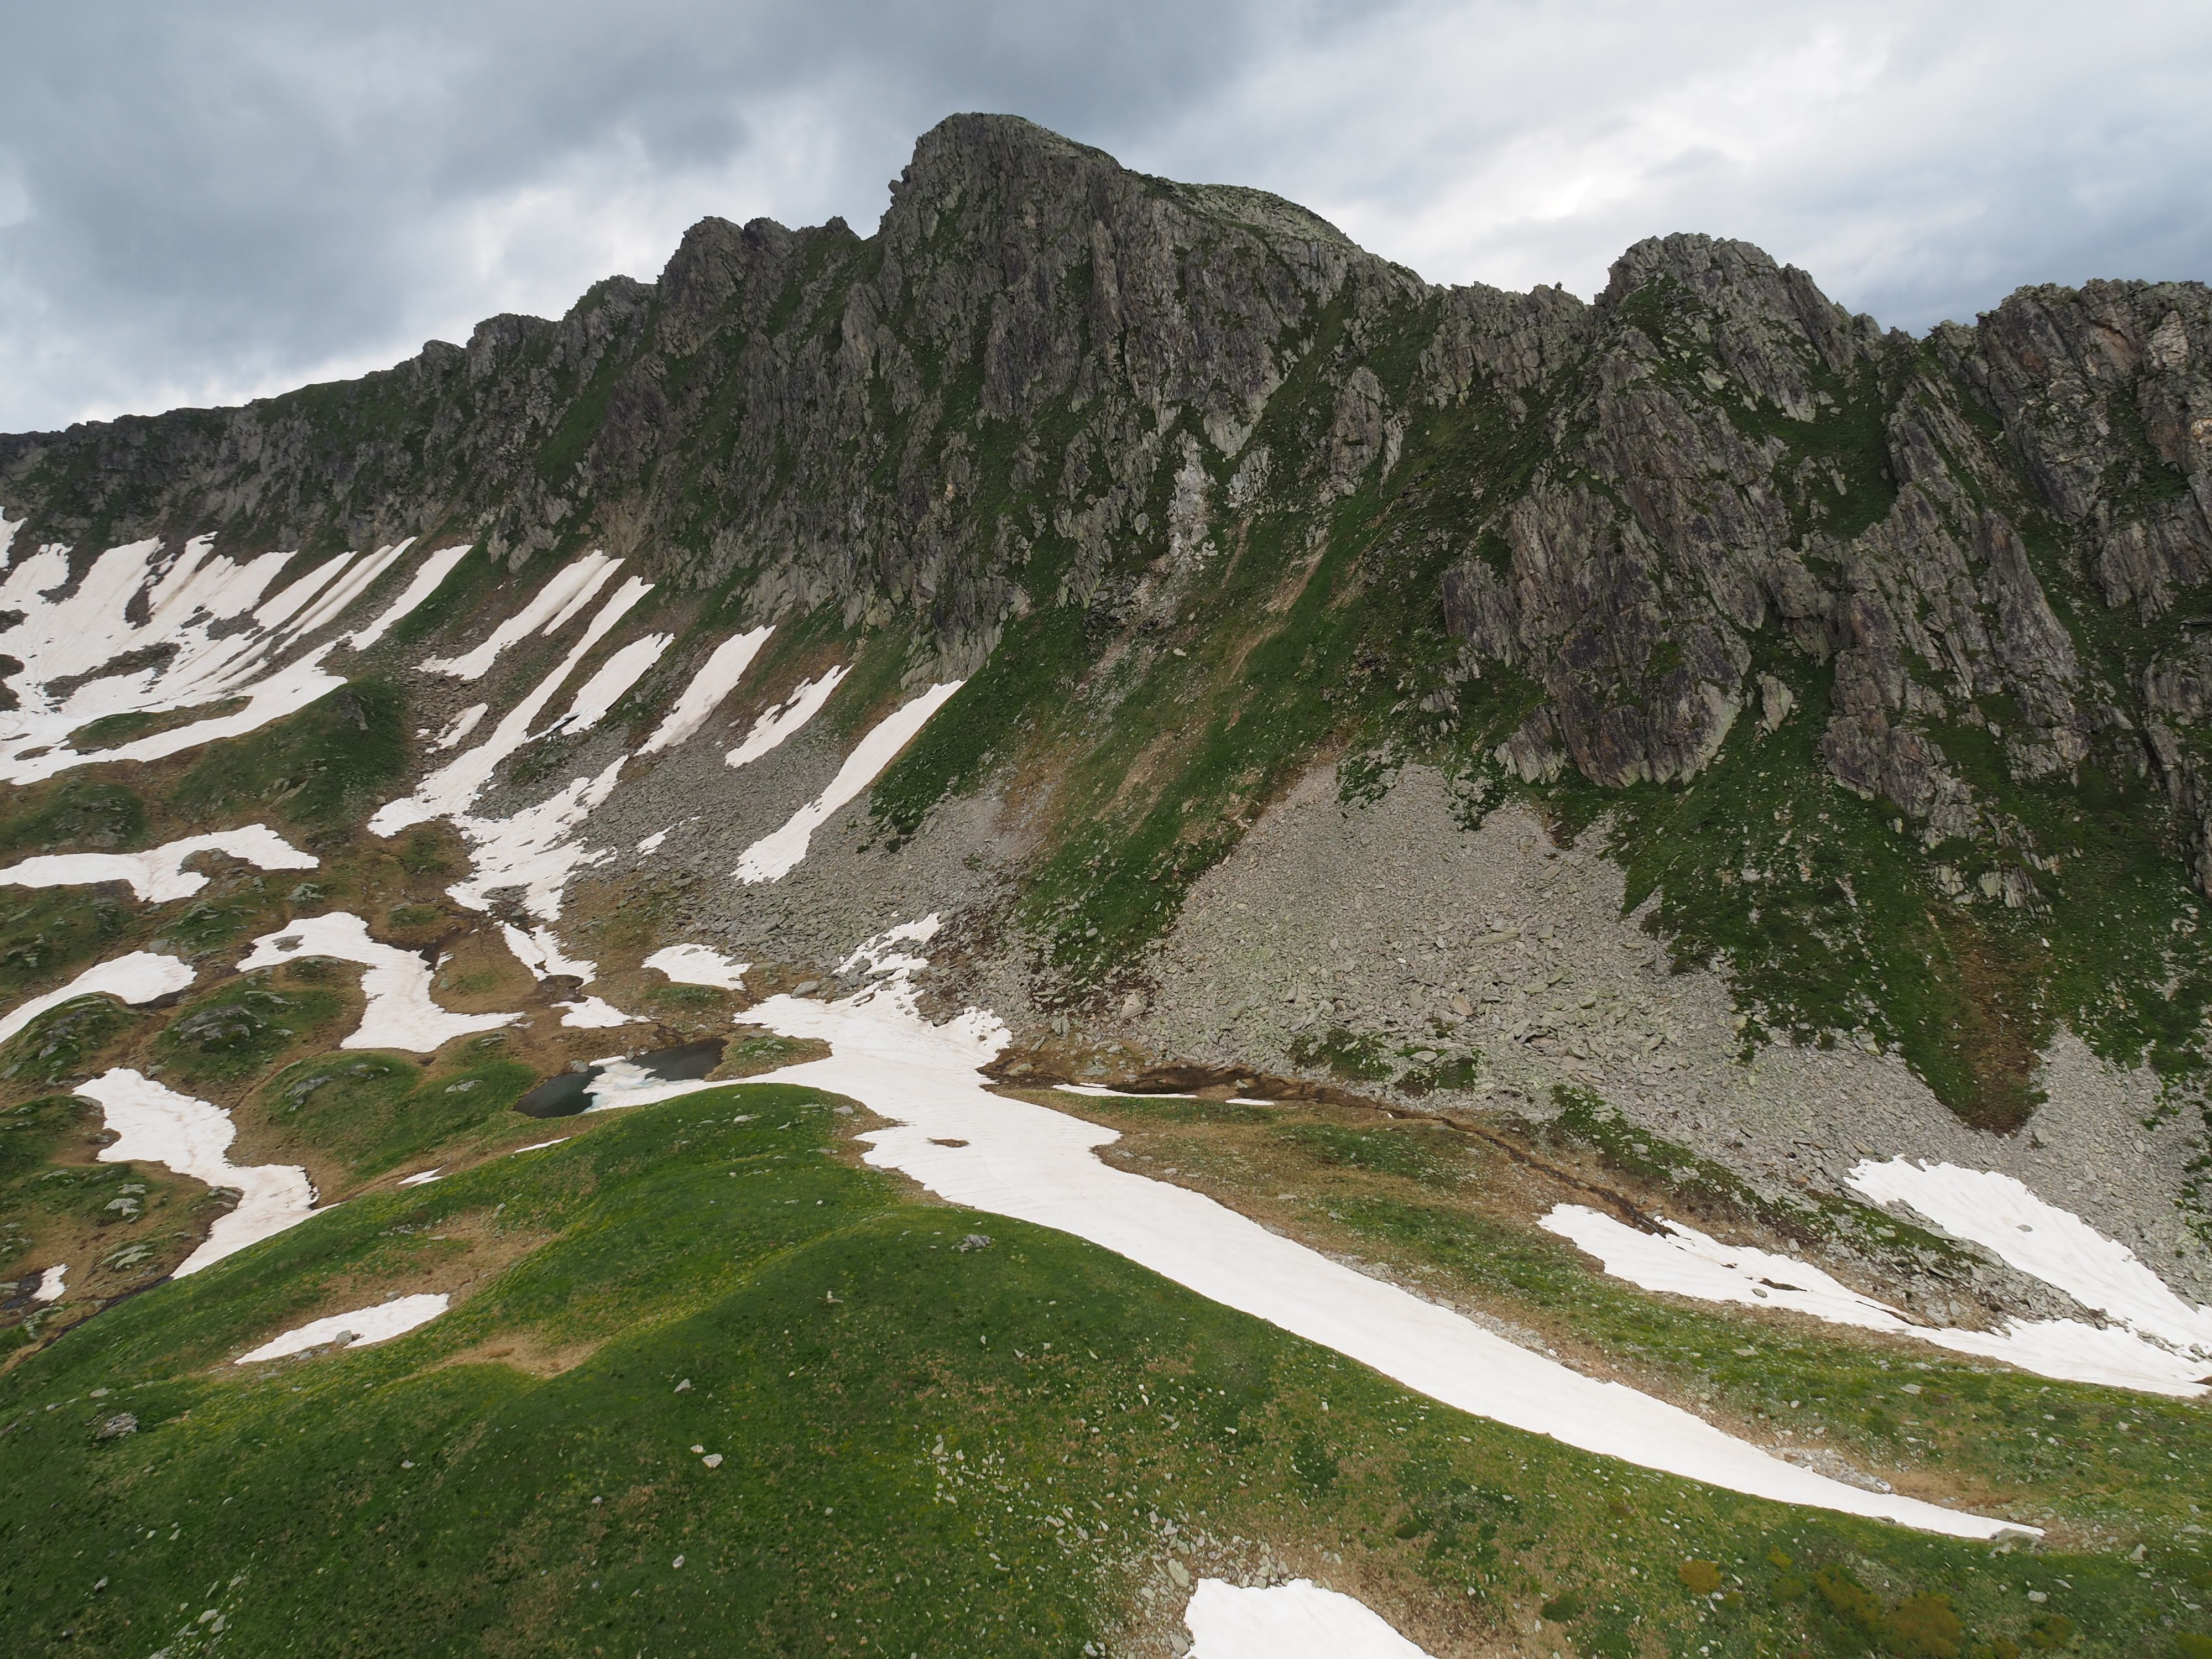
<point x="156" y="1125"/>
<point x="400" y="1014"/>
<point x="775" y="854"/>
<point x="1297" y="1620"/>
<point x="695" y="965"/>
<point x="357" y="1329"/>
<point x="50" y="1284"/>
<point x="139" y="977"/>
<point x="2056" y="1246"/>
<point x="158" y="876"/>
<point x="1686" y="1263"/>
<point x="1032" y="1164"/>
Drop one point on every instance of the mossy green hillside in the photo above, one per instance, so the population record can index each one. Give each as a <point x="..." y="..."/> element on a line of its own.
<point x="938" y="1450"/>
<point x="375" y="1111"/>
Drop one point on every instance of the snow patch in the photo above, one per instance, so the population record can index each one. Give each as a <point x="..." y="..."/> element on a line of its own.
<point x="775" y="854"/>
<point x="605" y="688"/>
<point x="595" y="1013"/>
<point x="400" y="1013"/>
<point x="421" y="1178"/>
<point x="695" y="965"/>
<point x="779" y="722"/>
<point x="158" y="876"/>
<point x="717" y="677"/>
<point x="1297" y="1620"/>
<point x="208" y="634"/>
<point x="139" y="977"/>
<point x="1686" y="1263"/>
<point x="153" y="1124"/>
<point x="357" y="1329"/>
<point x="2007" y="1218"/>
<point x="50" y="1287"/>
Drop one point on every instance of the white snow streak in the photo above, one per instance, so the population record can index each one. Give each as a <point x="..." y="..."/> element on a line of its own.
<point x="400" y="1013"/>
<point x="51" y="1288"/>
<point x="1297" y="1620"/>
<point x="1035" y="1164"/>
<point x="695" y="965"/>
<point x="1686" y="1263"/>
<point x="140" y="976"/>
<point x="569" y="590"/>
<point x="717" y="677"/>
<point x="357" y="1329"/>
<point x="607" y="685"/>
<point x="156" y="1125"/>
<point x="779" y="722"/>
<point x="158" y="875"/>
<point x="429" y="575"/>
<point x="463" y="723"/>
<point x="775" y="854"/>
<point x="449" y="791"/>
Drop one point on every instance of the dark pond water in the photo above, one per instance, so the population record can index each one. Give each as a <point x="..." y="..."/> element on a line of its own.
<point x="569" y="1093"/>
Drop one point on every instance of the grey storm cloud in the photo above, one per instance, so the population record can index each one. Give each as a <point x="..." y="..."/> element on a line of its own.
<point x="200" y="204"/>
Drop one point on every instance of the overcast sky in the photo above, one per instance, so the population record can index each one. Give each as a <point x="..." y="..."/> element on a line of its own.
<point x="199" y="203"/>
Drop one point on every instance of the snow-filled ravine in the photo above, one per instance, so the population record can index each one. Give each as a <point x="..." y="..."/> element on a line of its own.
<point x="777" y="854"/>
<point x="974" y="1147"/>
<point x="154" y="1124"/>
<point x="1684" y="1261"/>
<point x="1297" y="1620"/>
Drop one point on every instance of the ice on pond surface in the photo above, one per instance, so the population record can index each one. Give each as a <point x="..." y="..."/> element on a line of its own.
<point x="154" y="1124"/>
<point x="158" y="875"/>
<point x="1013" y="1158"/>
<point x="632" y="1081"/>
<point x="357" y="1329"/>
<point x="400" y="1013"/>
<point x="775" y="854"/>
<point x="779" y="722"/>
<point x="1683" y="1262"/>
<point x="717" y="677"/>
<point x="208" y="636"/>
<point x="695" y="965"/>
<point x="141" y="976"/>
<point x="1297" y="1620"/>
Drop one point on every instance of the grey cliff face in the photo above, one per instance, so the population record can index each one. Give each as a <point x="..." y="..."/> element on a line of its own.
<point x="1711" y="464"/>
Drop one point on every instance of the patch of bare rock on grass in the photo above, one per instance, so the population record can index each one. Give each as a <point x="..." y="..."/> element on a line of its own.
<point x="1389" y="931"/>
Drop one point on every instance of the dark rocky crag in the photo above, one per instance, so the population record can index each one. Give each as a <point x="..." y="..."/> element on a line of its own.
<point x="1710" y="502"/>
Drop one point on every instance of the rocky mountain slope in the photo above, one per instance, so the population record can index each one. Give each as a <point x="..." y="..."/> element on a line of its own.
<point x="1692" y="763"/>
